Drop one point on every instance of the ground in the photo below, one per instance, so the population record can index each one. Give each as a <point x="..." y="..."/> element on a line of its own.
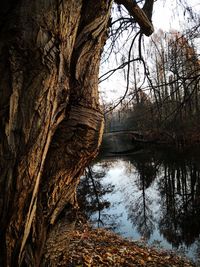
<point x="80" y="245"/>
<point x="98" y="247"/>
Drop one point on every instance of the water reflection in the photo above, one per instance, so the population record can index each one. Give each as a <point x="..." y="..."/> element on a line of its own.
<point x="151" y="195"/>
<point x="90" y="195"/>
<point x="180" y="214"/>
<point x="139" y="209"/>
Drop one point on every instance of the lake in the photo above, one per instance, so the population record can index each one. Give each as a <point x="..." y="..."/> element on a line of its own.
<point x="149" y="195"/>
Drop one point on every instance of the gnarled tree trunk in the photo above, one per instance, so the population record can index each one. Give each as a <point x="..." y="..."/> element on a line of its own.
<point x="50" y="121"/>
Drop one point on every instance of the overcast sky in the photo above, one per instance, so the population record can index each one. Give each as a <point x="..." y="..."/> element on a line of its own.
<point x="166" y="16"/>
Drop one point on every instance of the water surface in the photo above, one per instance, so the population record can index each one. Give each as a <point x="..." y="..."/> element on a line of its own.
<point x="151" y="196"/>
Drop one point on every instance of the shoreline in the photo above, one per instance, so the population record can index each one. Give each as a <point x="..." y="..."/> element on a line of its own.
<point x="85" y="246"/>
<point x="112" y="249"/>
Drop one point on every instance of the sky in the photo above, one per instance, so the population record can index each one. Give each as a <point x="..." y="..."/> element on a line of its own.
<point x="166" y="16"/>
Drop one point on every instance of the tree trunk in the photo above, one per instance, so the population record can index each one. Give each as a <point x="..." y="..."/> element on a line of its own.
<point x="50" y="121"/>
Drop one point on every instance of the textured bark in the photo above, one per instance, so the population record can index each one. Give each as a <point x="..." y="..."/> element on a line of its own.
<point x="50" y="121"/>
<point x="142" y="16"/>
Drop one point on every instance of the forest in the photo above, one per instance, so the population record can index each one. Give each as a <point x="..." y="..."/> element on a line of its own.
<point x="166" y="108"/>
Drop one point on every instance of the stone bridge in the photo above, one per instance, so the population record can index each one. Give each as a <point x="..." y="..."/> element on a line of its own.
<point x="119" y="142"/>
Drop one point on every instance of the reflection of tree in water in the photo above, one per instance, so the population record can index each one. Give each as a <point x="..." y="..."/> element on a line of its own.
<point x="180" y="193"/>
<point x="90" y="197"/>
<point x="141" y="215"/>
<point x="197" y="252"/>
<point x="139" y="208"/>
<point x="177" y="180"/>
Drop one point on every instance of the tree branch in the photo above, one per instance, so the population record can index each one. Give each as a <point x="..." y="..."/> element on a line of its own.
<point x="140" y="16"/>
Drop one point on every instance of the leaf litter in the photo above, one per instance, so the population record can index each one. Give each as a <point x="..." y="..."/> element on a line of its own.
<point x="89" y="247"/>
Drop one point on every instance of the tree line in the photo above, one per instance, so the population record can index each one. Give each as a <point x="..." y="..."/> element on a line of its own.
<point x="169" y="102"/>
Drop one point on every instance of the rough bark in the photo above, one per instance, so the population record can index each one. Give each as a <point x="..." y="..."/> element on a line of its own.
<point x="50" y="120"/>
<point x="142" y="16"/>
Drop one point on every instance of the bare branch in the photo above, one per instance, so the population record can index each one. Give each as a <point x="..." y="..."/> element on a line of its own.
<point x="138" y="14"/>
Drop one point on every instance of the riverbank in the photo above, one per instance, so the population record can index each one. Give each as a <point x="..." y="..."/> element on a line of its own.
<point x="85" y="246"/>
<point x="75" y="243"/>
